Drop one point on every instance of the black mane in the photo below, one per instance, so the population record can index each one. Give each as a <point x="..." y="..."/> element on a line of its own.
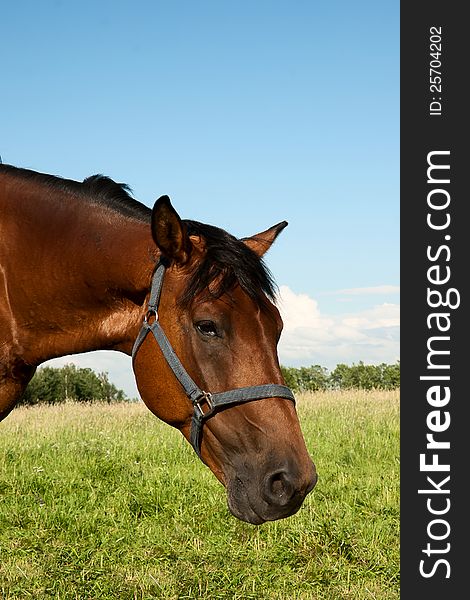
<point x="227" y="261"/>
<point x="99" y="189"/>
<point x="116" y="195"/>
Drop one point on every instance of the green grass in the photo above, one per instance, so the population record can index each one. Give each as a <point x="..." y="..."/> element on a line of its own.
<point x="105" y="501"/>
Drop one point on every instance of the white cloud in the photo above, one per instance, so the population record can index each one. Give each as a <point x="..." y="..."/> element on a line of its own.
<point x="299" y="310"/>
<point x="382" y="315"/>
<point x="309" y="337"/>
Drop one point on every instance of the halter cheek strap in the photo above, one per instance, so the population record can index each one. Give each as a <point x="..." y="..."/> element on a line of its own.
<point x="204" y="403"/>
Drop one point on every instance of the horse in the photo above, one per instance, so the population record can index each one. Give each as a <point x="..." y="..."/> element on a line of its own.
<point x="85" y="266"/>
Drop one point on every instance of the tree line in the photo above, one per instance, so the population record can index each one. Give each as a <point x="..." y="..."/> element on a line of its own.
<point x="52" y="385"/>
<point x="356" y="376"/>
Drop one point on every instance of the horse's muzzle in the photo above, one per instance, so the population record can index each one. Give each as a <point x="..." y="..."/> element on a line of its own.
<point x="275" y="494"/>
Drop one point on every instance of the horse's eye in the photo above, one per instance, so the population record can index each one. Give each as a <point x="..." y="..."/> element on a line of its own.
<point x="207" y="328"/>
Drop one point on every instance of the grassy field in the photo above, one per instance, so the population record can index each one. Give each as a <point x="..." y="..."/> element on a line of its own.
<point x="104" y="501"/>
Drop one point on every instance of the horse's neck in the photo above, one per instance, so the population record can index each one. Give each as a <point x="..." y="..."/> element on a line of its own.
<point x="112" y="285"/>
<point x="82" y="283"/>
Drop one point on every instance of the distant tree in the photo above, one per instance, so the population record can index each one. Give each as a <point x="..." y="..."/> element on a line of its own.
<point x="51" y="385"/>
<point x="314" y="378"/>
<point x="46" y="386"/>
<point x="290" y="377"/>
<point x="391" y="376"/>
<point x="304" y="379"/>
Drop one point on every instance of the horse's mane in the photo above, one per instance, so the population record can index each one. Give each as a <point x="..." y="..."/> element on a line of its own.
<point x="226" y="262"/>
<point x="98" y="189"/>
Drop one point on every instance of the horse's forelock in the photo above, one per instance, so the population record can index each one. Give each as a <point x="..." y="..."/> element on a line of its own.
<point x="226" y="262"/>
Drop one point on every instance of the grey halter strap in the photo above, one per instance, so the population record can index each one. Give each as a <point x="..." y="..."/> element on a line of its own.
<point x="198" y="397"/>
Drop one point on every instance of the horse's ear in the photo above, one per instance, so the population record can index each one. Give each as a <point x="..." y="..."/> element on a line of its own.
<point x="169" y="232"/>
<point x="261" y="242"/>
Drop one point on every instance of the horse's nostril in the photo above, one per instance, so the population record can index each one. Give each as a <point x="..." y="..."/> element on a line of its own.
<point x="278" y="488"/>
<point x="277" y="485"/>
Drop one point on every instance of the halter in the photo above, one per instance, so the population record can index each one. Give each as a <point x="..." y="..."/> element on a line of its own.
<point x="198" y="397"/>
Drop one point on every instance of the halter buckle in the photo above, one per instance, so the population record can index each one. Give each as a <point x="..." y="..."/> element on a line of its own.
<point x="151" y="312"/>
<point x="207" y="398"/>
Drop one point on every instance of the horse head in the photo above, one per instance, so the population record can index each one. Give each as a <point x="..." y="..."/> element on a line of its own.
<point x="211" y="368"/>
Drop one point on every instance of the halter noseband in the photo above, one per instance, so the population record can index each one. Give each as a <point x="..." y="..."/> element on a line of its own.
<point x="197" y="396"/>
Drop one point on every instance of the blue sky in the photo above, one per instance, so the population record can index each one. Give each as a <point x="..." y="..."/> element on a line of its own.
<point x="245" y="113"/>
